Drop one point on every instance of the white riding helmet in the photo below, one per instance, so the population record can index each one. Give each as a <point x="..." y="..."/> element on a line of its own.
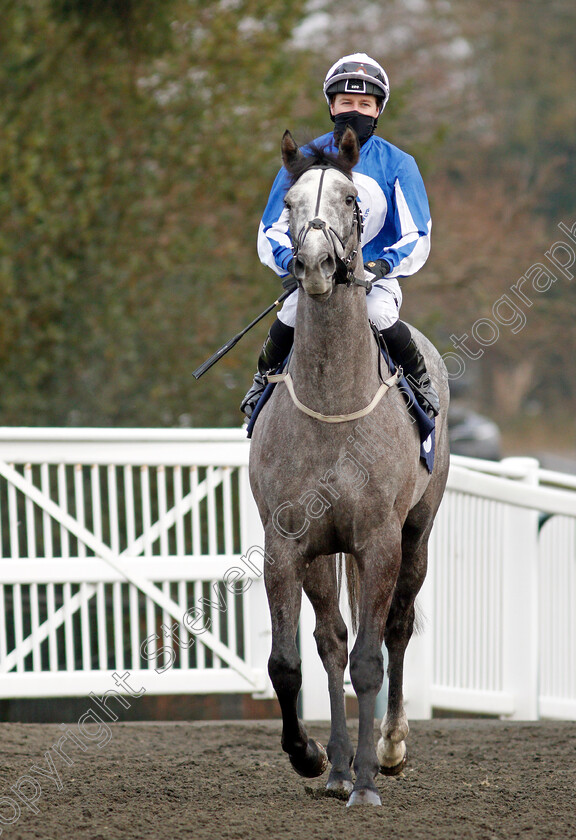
<point x="357" y="73"/>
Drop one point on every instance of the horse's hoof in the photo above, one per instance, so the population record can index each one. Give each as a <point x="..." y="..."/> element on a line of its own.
<point x="396" y="769"/>
<point x="312" y="763"/>
<point x="340" y="788"/>
<point x="364" y="797"/>
<point x="392" y="757"/>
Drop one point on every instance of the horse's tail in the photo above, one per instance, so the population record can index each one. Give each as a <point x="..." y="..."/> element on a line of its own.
<point x="347" y="565"/>
<point x="348" y="561"/>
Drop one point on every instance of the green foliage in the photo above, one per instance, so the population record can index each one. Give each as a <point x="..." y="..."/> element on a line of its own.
<point x="534" y="59"/>
<point x="138" y="142"/>
<point x="130" y="194"/>
<point x="143" y="26"/>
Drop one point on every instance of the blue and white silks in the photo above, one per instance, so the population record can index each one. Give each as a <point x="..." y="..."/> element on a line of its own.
<point x="394" y="207"/>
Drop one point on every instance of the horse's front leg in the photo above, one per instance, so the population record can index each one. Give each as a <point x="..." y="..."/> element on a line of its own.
<point x="283" y="581"/>
<point x="331" y="634"/>
<point x="378" y="573"/>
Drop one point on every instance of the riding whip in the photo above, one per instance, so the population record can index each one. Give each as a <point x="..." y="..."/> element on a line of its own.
<point x="230" y="344"/>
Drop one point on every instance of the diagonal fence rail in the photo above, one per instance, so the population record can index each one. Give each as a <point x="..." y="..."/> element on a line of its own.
<point x="94" y="578"/>
<point x="109" y="538"/>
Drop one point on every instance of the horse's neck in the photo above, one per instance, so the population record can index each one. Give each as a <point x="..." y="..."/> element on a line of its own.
<point x="334" y="364"/>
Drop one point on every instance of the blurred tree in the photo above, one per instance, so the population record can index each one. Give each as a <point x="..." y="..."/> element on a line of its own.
<point x="503" y="181"/>
<point x="485" y="295"/>
<point x="485" y="101"/>
<point x="138" y="144"/>
<point x="133" y="173"/>
<point x="142" y="26"/>
<point x="527" y="97"/>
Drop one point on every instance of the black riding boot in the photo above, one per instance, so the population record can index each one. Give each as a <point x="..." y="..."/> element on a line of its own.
<point x="405" y="352"/>
<point x="274" y="350"/>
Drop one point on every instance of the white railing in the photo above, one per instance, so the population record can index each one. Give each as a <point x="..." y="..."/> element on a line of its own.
<point x="503" y="560"/>
<point x="113" y="543"/>
<point x="499" y="635"/>
<point x="109" y="537"/>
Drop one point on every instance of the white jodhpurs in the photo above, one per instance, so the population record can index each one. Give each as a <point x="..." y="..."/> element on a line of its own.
<point x="384" y="302"/>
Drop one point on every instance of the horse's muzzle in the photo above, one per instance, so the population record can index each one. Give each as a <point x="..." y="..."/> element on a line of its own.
<point x="315" y="274"/>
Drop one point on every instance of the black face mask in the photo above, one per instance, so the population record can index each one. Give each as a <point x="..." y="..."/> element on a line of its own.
<point x="362" y="124"/>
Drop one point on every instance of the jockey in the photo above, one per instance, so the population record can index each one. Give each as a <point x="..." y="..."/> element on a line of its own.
<point x="396" y="236"/>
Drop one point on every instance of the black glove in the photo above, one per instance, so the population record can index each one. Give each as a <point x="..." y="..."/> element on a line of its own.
<point x="289" y="282"/>
<point x="379" y="268"/>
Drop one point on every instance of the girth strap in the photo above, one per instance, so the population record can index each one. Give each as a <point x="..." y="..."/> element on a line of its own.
<point x="336" y="418"/>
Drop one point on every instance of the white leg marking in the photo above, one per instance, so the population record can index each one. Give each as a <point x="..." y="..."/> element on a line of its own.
<point x="391" y="748"/>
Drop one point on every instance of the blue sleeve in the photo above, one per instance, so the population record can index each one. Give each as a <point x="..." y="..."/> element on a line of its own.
<point x="274" y="243"/>
<point x="410" y="222"/>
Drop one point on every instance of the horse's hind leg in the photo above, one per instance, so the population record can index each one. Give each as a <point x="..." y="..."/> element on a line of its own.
<point x="331" y="636"/>
<point x="391" y="748"/>
<point x="284" y="590"/>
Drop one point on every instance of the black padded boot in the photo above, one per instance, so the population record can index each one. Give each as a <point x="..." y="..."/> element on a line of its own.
<point x="274" y="350"/>
<point x="405" y="352"/>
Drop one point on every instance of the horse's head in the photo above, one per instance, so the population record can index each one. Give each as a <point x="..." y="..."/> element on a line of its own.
<point x="325" y="221"/>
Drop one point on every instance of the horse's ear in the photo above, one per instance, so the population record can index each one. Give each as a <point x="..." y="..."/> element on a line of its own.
<point x="349" y="148"/>
<point x="290" y="150"/>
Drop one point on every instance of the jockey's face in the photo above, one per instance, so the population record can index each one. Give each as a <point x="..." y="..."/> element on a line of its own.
<point x="364" y="103"/>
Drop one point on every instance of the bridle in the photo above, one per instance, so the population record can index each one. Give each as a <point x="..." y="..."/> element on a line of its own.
<point x="344" y="271"/>
<point x="344" y="274"/>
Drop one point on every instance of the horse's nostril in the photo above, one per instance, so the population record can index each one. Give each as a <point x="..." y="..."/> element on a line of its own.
<point x="298" y="268"/>
<point x="328" y="266"/>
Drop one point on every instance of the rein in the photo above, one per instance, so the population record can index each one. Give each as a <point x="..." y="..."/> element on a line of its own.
<point x="345" y="274"/>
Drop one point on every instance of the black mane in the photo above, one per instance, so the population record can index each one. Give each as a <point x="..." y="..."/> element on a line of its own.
<point x="316" y="156"/>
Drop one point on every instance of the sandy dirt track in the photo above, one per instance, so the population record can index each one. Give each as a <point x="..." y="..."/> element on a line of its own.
<point x="467" y="779"/>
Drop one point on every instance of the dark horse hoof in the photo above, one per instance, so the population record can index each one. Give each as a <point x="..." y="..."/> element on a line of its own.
<point x="397" y="769"/>
<point x="312" y="763"/>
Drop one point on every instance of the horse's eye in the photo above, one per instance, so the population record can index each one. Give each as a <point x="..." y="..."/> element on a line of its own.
<point x="287" y="205"/>
<point x="349" y="200"/>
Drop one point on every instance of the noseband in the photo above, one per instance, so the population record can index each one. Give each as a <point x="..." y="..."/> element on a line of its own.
<point x="344" y="271"/>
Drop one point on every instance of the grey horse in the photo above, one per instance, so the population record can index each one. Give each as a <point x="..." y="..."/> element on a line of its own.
<point x="335" y="470"/>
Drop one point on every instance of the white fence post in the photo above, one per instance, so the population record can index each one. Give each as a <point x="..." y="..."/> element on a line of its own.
<point x="419" y="656"/>
<point x="259" y="630"/>
<point x="315" y="697"/>
<point x="520" y="591"/>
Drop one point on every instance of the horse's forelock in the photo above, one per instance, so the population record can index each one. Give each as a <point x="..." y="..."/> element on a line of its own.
<point x="316" y="156"/>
